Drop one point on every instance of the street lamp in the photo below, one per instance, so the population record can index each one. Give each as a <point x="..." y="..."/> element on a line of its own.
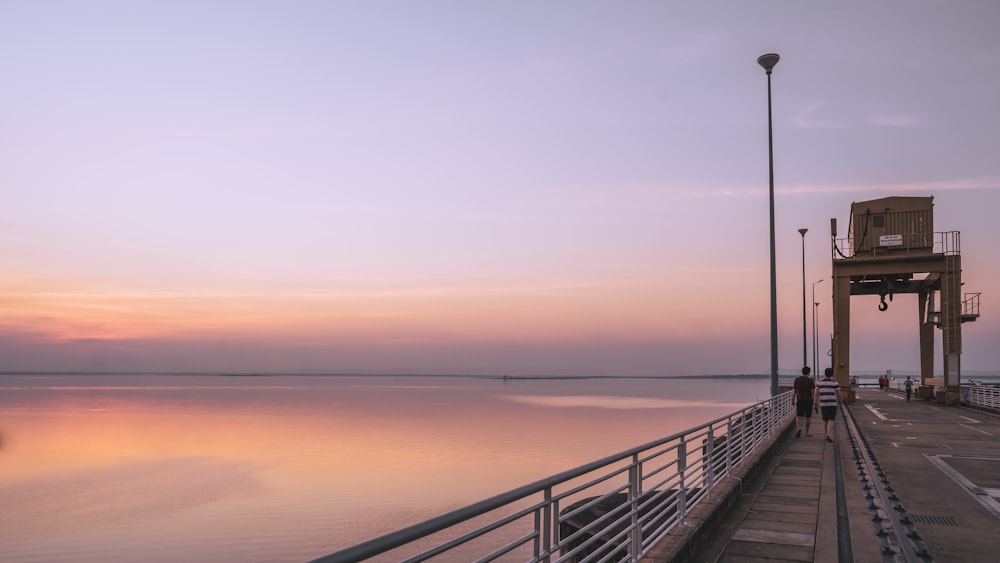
<point x="805" y="357"/>
<point x="815" y="326"/>
<point x="767" y="62"/>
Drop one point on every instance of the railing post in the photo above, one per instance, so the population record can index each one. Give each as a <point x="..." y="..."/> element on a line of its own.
<point x="634" y="492"/>
<point x="537" y="544"/>
<point x="682" y="484"/>
<point x="707" y="460"/>
<point x="762" y="417"/>
<point x="729" y="446"/>
<point x="769" y="419"/>
<point x="546" y="531"/>
<point x="776" y="417"/>
<point x="747" y="418"/>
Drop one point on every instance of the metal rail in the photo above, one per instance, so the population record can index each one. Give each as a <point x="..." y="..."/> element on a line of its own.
<point x="947" y="243"/>
<point x="898" y="539"/>
<point x="845" y="547"/>
<point x="981" y="396"/>
<point x="612" y="509"/>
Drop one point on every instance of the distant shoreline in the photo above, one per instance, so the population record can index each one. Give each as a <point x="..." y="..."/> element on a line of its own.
<point x="374" y="374"/>
<point x="741" y="376"/>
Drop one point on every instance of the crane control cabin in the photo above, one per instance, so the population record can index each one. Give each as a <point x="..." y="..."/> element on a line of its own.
<point x="891" y="249"/>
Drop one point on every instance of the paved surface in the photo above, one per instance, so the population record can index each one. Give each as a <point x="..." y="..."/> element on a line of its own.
<point x="943" y="464"/>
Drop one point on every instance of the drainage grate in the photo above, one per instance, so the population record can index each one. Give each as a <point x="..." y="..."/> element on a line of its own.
<point x="939" y="520"/>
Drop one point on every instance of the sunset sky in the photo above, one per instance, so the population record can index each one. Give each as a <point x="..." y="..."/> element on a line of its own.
<point x="516" y="187"/>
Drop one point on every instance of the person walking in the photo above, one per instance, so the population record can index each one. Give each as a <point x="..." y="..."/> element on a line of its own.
<point x="827" y="401"/>
<point x="803" y="387"/>
<point x="908" y="384"/>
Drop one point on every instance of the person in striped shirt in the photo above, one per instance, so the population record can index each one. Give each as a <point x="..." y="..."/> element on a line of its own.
<point x="827" y="399"/>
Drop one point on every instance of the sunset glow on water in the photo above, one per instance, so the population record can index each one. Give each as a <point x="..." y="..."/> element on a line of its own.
<point x="288" y="468"/>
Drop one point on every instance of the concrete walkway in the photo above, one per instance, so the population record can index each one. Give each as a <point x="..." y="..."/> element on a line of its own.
<point x="942" y="462"/>
<point x="778" y="517"/>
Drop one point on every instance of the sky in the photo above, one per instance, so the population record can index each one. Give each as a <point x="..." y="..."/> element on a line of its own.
<point x="517" y="187"/>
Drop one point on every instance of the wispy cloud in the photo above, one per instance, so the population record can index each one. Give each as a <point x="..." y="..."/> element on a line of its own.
<point x="809" y="117"/>
<point x="985" y="183"/>
<point x="816" y="116"/>
<point x="908" y="187"/>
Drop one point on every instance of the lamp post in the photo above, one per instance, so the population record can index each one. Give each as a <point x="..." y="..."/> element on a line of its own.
<point x="767" y="62"/>
<point x="805" y="357"/>
<point x="815" y="327"/>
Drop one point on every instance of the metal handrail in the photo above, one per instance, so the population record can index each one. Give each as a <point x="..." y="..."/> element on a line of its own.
<point x="970" y="304"/>
<point x="617" y="507"/>
<point x="981" y="396"/>
<point x="947" y="243"/>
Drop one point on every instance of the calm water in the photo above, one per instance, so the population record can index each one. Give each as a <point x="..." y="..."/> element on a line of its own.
<point x="289" y="468"/>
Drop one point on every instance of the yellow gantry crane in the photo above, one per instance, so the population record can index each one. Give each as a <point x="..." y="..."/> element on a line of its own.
<point x="892" y="249"/>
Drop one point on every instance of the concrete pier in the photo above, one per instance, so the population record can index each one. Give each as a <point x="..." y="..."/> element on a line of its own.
<point x="937" y="467"/>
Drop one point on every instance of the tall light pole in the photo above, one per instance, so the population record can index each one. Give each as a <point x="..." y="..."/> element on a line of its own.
<point x="767" y="62"/>
<point x="805" y="356"/>
<point x="815" y="326"/>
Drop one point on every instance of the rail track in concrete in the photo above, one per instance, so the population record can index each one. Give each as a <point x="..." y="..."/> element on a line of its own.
<point x="897" y="537"/>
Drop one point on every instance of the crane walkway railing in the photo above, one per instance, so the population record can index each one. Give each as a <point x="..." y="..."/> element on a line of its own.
<point x="616" y="508"/>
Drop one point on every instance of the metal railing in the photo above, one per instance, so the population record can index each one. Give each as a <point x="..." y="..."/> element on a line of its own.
<point x="981" y="396"/>
<point x="612" y="509"/>
<point x="970" y="304"/>
<point x="948" y="243"/>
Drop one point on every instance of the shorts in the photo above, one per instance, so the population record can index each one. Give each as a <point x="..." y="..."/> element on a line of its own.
<point x="804" y="408"/>
<point x="829" y="413"/>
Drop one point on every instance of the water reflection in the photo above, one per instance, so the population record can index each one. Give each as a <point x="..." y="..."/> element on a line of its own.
<point x="115" y="468"/>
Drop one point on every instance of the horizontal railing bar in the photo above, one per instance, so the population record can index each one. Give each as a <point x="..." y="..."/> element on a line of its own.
<point x="508" y="548"/>
<point x="670" y="497"/>
<point x="658" y="453"/>
<point x="609" y="515"/>
<point x="479" y="532"/>
<point x="659" y="470"/>
<point x="584" y="486"/>
<point x="668" y="482"/>
<point x="594" y="501"/>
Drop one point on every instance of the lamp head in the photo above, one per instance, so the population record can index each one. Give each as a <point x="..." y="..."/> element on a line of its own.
<point x="768" y="61"/>
<point x="803" y="232"/>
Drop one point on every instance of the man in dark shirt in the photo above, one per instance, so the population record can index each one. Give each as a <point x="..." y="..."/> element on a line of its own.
<point x="803" y="391"/>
